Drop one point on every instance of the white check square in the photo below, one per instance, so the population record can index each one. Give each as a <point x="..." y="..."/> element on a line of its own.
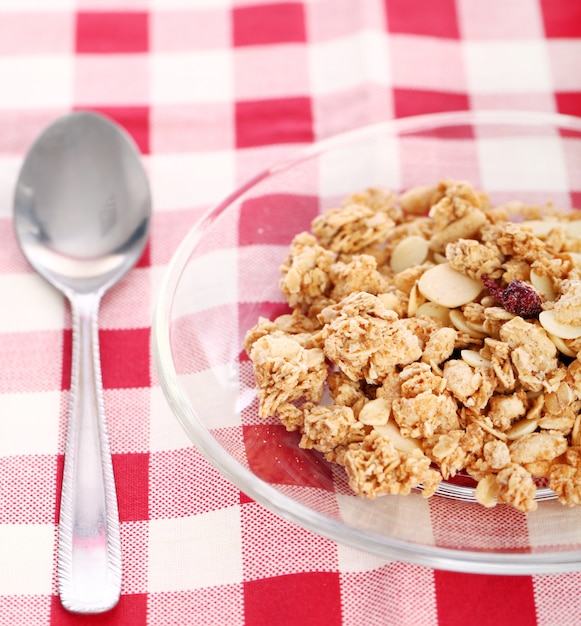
<point x="166" y="433"/>
<point x="29" y="303"/>
<point x="29" y="423"/>
<point x="507" y="66"/>
<point x="184" y="180"/>
<point x="337" y="64"/>
<point x="23" y="6"/>
<point x="177" y="548"/>
<point x="52" y="85"/>
<point x="565" y="57"/>
<point x="27" y="559"/>
<point x="9" y="168"/>
<point x="201" y="76"/>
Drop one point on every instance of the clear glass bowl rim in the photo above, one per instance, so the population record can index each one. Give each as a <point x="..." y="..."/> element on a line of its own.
<point x="264" y="493"/>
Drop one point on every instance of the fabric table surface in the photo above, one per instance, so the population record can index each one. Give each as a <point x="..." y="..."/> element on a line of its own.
<point x="213" y="91"/>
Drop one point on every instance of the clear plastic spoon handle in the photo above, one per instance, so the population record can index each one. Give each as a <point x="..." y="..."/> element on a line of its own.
<point x="89" y="553"/>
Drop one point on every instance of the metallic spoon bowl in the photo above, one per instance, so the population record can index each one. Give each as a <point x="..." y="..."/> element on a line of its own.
<point x="82" y="209"/>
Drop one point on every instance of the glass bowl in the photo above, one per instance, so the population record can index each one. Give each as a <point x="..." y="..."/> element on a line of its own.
<point x="225" y="275"/>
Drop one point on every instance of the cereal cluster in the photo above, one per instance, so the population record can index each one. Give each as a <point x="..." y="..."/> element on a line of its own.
<point x="432" y="333"/>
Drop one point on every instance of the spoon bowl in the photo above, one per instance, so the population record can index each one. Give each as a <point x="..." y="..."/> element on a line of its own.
<point x="82" y="204"/>
<point x="82" y="211"/>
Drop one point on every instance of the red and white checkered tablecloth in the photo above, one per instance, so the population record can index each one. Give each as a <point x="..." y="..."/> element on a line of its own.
<point x="213" y="91"/>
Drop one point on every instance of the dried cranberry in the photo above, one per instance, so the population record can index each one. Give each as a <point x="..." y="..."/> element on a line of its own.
<point x="517" y="297"/>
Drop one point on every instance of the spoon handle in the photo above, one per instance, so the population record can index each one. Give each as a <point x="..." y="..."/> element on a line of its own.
<point x="89" y="553"/>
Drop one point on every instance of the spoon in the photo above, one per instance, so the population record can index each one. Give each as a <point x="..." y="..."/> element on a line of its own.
<point x="82" y="210"/>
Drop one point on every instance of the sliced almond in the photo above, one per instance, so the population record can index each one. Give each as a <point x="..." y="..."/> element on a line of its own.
<point x="522" y="427"/>
<point x="576" y="432"/>
<point x="439" y="258"/>
<point x="541" y="228"/>
<point x="488" y="301"/>
<point x="474" y="359"/>
<point x="375" y="412"/>
<point x="459" y="321"/>
<point x="553" y="327"/>
<point x="403" y="444"/>
<point x="535" y="411"/>
<point x="410" y="251"/>
<point x="573" y="229"/>
<point x="437" y="311"/>
<point x="544" y="285"/>
<point x="418" y="200"/>
<point x="444" y="285"/>
<point x="415" y="301"/>
<point x="561" y="346"/>
<point x="486" y="491"/>
<point x="478" y="328"/>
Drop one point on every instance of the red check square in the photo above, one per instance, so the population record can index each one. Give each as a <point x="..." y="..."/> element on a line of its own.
<point x="125" y="358"/>
<point x="112" y="33"/>
<point x="569" y="102"/>
<point x="269" y="24"/>
<point x="262" y="122"/>
<point x="319" y="593"/>
<point x="436" y="18"/>
<point x="518" y="607"/>
<point x="576" y="200"/>
<point x="562" y="18"/>
<point x="418" y="101"/>
<point x="291" y="213"/>
<point x="132" y="481"/>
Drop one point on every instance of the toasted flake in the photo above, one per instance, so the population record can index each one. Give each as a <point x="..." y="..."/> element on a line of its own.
<point x="541" y="446"/>
<point x="516" y="487"/>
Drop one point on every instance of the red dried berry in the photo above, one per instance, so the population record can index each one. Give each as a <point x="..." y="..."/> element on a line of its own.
<point x="517" y="297"/>
<point x="493" y="289"/>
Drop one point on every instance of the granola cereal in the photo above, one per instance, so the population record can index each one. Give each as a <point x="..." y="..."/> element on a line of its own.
<point x="432" y="334"/>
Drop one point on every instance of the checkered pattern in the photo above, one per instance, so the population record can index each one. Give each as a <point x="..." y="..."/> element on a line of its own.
<point x="212" y="92"/>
